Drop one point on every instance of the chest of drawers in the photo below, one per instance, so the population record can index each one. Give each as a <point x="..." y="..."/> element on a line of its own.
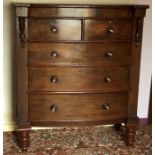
<point x="77" y="65"/>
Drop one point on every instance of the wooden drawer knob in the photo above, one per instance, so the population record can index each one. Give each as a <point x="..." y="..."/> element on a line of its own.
<point x="54" y="54"/>
<point x="53" y="108"/>
<point x="110" y="30"/>
<point x="107" y="79"/>
<point x="54" y="79"/>
<point x="54" y="29"/>
<point x="108" y="54"/>
<point x="106" y="106"/>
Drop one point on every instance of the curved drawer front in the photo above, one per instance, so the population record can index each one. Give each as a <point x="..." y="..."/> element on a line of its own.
<point x="49" y="54"/>
<point x="53" y="30"/>
<point x="108" y="29"/>
<point x="79" y="79"/>
<point x="77" y="107"/>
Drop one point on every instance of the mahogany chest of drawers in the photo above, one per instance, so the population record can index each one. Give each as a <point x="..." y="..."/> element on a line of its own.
<point x="77" y="65"/>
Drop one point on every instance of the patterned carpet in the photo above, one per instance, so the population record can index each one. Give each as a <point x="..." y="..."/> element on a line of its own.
<point x="99" y="140"/>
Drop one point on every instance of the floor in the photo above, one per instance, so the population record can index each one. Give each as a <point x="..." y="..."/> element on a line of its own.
<point x="99" y="140"/>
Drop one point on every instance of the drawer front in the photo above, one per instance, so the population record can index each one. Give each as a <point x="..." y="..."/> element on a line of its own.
<point x="77" y="107"/>
<point x="50" y="30"/>
<point x="51" y="54"/>
<point x="80" y="12"/>
<point x="79" y="79"/>
<point x="108" y="29"/>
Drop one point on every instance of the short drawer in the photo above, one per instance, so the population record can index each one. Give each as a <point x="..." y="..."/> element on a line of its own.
<point x="79" y="54"/>
<point x="77" y="107"/>
<point x="78" y="79"/>
<point x="108" y="29"/>
<point x="50" y="30"/>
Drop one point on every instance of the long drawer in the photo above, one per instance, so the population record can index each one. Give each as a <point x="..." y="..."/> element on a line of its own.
<point x="78" y="79"/>
<point x="77" y="107"/>
<point x="52" y="54"/>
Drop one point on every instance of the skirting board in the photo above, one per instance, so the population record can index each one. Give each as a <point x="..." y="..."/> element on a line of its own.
<point x="9" y="127"/>
<point x="13" y="127"/>
<point x="143" y="121"/>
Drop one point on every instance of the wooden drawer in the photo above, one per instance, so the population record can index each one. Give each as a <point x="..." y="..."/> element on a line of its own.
<point x="80" y="12"/>
<point x="79" y="79"/>
<point x="77" y="107"/>
<point x="79" y="54"/>
<point x="50" y="30"/>
<point x="108" y="29"/>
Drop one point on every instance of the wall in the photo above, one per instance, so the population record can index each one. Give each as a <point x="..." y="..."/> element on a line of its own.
<point x="9" y="57"/>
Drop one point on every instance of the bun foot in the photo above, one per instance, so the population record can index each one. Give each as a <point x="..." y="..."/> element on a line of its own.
<point x="118" y="126"/>
<point x="23" y="139"/>
<point x="130" y="135"/>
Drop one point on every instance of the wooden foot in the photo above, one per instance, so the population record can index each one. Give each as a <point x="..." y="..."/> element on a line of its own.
<point x="118" y="126"/>
<point x="130" y="134"/>
<point x="23" y="139"/>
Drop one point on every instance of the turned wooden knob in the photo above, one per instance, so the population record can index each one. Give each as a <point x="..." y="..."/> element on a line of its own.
<point x="108" y="54"/>
<point x="107" y="79"/>
<point x="106" y="106"/>
<point x="54" y="54"/>
<point x="54" y="79"/>
<point x="110" y="30"/>
<point x="53" y="108"/>
<point x="54" y="29"/>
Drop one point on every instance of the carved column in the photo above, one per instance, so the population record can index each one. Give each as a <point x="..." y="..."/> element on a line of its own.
<point x="23" y="124"/>
<point x="132" y="119"/>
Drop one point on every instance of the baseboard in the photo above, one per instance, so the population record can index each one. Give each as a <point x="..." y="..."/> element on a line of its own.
<point x="143" y="121"/>
<point x="9" y="127"/>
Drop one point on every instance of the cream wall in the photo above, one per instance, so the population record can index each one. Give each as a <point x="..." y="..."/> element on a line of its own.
<point x="9" y="57"/>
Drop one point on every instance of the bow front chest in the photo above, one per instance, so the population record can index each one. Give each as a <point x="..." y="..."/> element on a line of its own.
<point x="77" y="65"/>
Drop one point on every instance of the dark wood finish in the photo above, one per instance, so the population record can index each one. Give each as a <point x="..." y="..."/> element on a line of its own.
<point x="53" y="29"/>
<point x="118" y="126"/>
<point x="69" y="92"/>
<point x="21" y="62"/>
<point x="106" y="6"/>
<point x="23" y="125"/>
<point x="134" y="73"/>
<point x="22" y="35"/>
<point x="79" y="79"/>
<point x="77" y="107"/>
<point x="131" y="126"/>
<point x="79" y="54"/>
<point x="78" y="123"/>
<point x="78" y="65"/>
<point x="79" y="12"/>
<point x="130" y="134"/>
<point x="23" y="139"/>
<point x="108" y="29"/>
